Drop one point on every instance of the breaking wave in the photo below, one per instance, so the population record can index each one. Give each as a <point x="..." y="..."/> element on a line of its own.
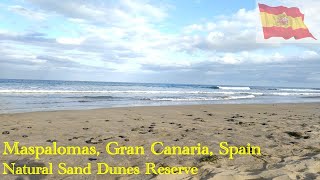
<point x="201" y="98"/>
<point x="299" y="90"/>
<point x="234" y="88"/>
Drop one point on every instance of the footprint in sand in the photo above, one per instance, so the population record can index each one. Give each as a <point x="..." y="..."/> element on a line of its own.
<point x="51" y="141"/>
<point x="230" y="120"/>
<point x="199" y="119"/>
<point x="92" y="141"/>
<point x="296" y="135"/>
<point x="246" y="124"/>
<point x="5" y="132"/>
<point x="237" y="116"/>
<point x="179" y="125"/>
<point x="108" y="138"/>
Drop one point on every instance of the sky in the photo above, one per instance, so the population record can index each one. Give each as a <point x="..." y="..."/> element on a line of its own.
<point x="158" y="41"/>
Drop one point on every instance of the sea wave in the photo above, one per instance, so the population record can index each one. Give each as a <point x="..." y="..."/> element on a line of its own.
<point x="97" y="97"/>
<point x="108" y="94"/>
<point x="201" y="98"/>
<point x="300" y="90"/>
<point x="234" y="88"/>
<point x="252" y="93"/>
<point x="88" y="92"/>
<point x="292" y="94"/>
<point x="184" y="99"/>
<point x="239" y="97"/>
<point x="9" y="91"/>
<point x="213" y="87"/>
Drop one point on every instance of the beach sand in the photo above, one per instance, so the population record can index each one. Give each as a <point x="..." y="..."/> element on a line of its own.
<point x="288" y="134"/>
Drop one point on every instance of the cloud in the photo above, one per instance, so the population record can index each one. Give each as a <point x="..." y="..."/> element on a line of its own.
<point x="104" y="12"/>
<point x="69" y="8"/>
<point x="130" y="39"/>
<point x="252" y="61"/>
<point x="72" y="41"/>
<point x="223" y="33"/>
<point x="33" y="37"/>
<point x="33" y="15"/>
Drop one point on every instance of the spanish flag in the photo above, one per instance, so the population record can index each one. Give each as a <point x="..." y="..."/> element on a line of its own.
<point x="283" y="22"/>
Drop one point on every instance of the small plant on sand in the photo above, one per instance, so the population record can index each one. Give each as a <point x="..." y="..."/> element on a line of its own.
<point x="209" y="159"/>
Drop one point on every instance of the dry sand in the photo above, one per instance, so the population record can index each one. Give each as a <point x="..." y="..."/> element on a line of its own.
<point x="288" y="135"/>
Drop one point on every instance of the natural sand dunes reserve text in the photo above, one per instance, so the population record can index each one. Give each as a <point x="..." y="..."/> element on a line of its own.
<point x="114" y="149"/>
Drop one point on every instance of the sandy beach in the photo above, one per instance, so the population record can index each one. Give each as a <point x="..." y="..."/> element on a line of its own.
<point x="288" y="135"/>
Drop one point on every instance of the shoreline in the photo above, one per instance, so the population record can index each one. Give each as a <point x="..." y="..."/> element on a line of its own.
<point x="160" y="106"/>
<point x="287" y="135"/>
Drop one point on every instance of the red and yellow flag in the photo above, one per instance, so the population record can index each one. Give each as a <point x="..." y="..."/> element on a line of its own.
<point x="283" y="22"/>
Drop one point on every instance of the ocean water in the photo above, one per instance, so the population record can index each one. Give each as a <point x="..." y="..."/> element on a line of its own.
<point x="43" y="95"/>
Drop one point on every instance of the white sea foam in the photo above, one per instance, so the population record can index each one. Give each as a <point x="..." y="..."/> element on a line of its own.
<point x="234" y="88"/>
<point x="204" y="98"/>
<point x="294" y="94"/>
<point x="239" y="97"/>
<point x="300" y="90"/>
<point x="186" y="99"/>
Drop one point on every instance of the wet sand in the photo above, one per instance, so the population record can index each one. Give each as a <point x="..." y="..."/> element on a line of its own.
<point x="288" y="134"/>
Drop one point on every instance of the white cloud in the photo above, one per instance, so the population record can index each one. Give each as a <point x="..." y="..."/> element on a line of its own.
<point x="33" y="15"/>
<point x="193" y="28"/>
<point x="70" y="8"/>
<point x="72" y="41"/>
<point x="224" y="33"/>
<point x="143" y="8"/>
